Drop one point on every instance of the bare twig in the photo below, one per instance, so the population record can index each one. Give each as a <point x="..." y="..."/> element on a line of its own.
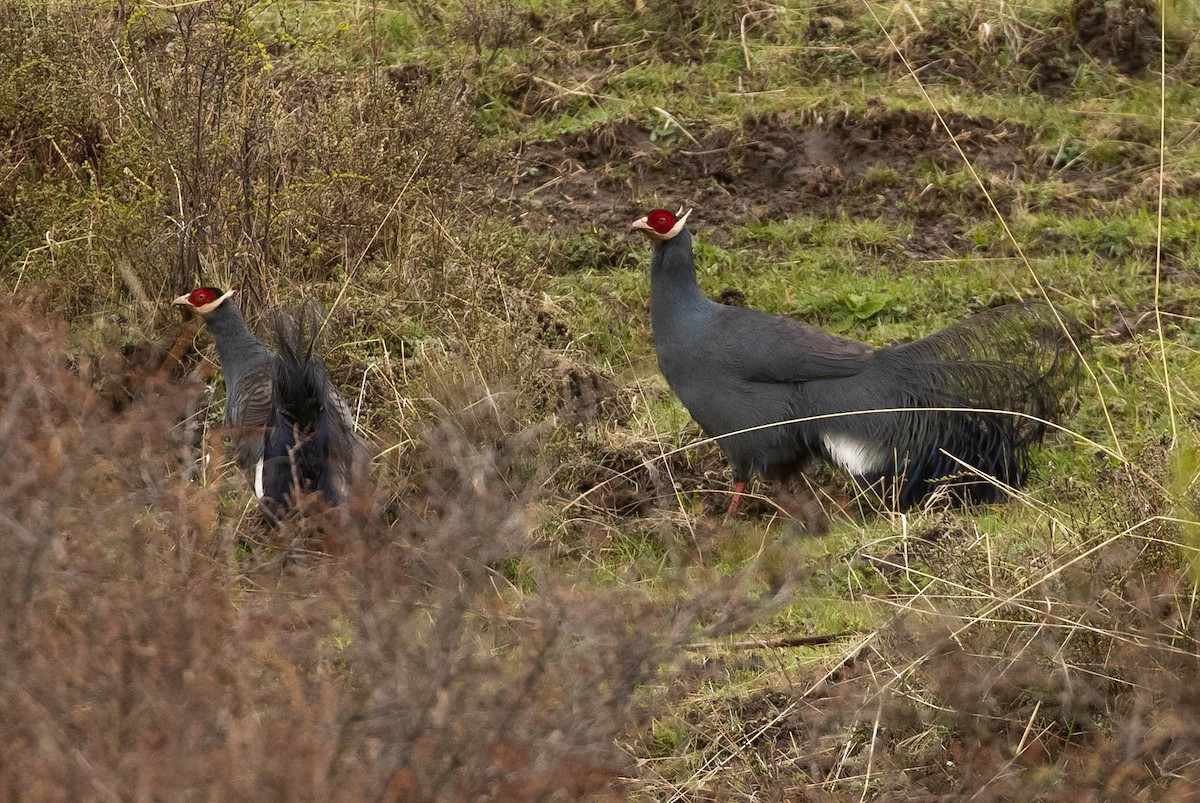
<point x="779" y="642"/>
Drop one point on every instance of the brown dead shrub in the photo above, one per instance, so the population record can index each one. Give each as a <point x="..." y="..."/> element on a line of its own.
<point x="146" y="653"/>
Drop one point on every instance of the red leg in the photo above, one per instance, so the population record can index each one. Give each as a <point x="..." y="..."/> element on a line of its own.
<point x="738" y="489"/>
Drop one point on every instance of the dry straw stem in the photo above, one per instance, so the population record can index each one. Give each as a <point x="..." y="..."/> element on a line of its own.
<point x="998" y="602"/>
<point x="779" y="642"/>
<point x="1162" y="172"/>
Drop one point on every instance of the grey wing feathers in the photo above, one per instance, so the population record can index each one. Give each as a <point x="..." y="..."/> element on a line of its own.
<point x="770" y="348"/>
<point x="337" y="404"/>
<point x="249" y="410"/>
<point x="342" y="417"/>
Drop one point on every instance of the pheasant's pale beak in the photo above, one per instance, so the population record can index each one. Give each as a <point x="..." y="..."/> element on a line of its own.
<point x="642" y="224"/>
<point x="182" y="301"/>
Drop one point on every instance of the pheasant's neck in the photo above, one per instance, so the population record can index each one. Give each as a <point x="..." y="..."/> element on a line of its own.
<point x="674" y="294"/>
<point x="237" y="346"/>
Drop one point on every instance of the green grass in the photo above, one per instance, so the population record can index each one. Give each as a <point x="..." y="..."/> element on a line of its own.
<point x="434" y="285"/>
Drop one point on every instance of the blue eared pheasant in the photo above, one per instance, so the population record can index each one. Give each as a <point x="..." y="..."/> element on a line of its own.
<point x="292" y="430"/>
<point x="741" y="372"/>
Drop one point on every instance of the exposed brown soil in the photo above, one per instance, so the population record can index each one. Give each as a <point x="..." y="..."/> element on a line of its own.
<point x="1123" y="33"/>
<point x="858" y="164"/>
<point x="625" y="480"/>
<point x="1119" y="323"/>
<point x="630" y="480"/>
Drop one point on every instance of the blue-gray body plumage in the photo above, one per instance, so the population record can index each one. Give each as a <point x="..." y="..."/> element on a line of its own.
<point x="735" y="369"/>
<point x="292" y="429"/>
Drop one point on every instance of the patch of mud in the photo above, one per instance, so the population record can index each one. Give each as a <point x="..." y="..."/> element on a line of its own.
<point x="859" y="164"/>
<point x="1120" y="323"/>
<point x="587" y="394"/>
<point x="1123" y="33"/>
<point x="624" y="481"/>
<point x="939" y="238"/>
<point x="634" y="480"/>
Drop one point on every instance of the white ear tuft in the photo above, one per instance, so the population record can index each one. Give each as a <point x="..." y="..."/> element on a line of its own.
<point x="680" y="221"/>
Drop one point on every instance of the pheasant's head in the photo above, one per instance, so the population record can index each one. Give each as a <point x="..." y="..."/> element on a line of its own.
<point x="203" y="300"/>
<point x="660" y="225"/>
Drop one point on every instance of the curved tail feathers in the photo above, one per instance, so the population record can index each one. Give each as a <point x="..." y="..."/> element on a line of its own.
<point x="311" y="446"/>
<point x="1015" y="367"/>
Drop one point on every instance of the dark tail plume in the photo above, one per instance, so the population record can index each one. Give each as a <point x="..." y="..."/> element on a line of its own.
<point x="1023" y="358"/>
<point x="302" y="452"/>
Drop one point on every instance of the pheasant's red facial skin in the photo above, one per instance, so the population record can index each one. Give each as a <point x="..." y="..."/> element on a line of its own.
<point x="203" y="295"/>
<point x="661" y="221"/>
<point x="660" y="225"/>
<point x="203" y="300"/>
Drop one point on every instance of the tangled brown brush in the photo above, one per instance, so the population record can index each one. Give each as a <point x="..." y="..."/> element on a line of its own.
<point x="144" y="656"/>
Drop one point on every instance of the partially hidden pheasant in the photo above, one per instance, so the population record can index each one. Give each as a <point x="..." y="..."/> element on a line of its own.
<point x="955" y="412"/>
<point x="292" y="430"/>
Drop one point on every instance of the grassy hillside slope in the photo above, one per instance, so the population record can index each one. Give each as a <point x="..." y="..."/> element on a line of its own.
<point x="537" y="598"/>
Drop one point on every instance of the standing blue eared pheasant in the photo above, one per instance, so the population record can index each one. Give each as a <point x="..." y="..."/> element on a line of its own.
<point x="741" y="372"/>
<point x="292" y="429"/>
